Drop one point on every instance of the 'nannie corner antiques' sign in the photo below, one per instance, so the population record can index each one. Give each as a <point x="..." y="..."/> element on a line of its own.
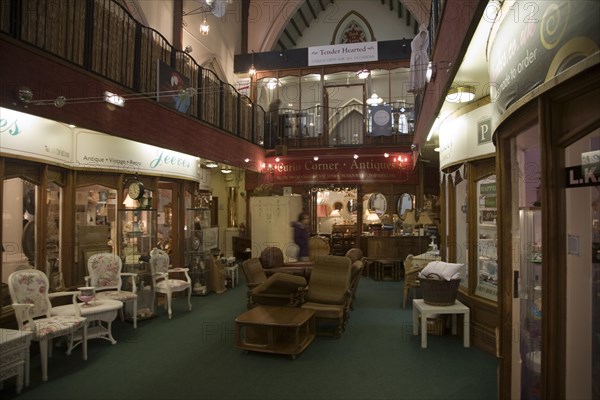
<point x="340" y="169"/>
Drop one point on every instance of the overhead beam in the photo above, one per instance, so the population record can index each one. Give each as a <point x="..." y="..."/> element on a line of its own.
<point x="312" y="9"/>
<point x="296" y="27"/>
<point x="306" y="23"/>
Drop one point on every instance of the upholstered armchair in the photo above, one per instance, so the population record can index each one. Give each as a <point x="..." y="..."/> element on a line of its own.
<point x="162" y="281"/>
<point x="318" y="246"/>
<point x="280" y="289"/>
<point x="33" y="311"/>
<point x="271" y="259"/>
<point x="105" y="273"/>
<point x="329" y="294"/>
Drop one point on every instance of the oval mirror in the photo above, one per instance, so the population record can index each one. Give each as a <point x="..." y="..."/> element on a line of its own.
<point x="378" y="203"/>
<point x="405" y="203"/>
<point x="351" y="205"/>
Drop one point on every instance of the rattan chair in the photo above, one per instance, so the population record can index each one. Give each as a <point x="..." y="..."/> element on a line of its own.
<point x="411" y="280"/>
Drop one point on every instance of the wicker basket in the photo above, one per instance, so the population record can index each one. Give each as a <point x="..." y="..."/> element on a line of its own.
<point x="437" y="291"/>
<point x="436" y="326"/>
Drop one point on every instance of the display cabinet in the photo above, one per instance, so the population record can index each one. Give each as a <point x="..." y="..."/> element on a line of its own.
<point x="530" y="299"/>
<point x="139" y="236"/>
<point x="197" y="223"/>
<point x="343" y="238"/>
<point x="487" y="253"/>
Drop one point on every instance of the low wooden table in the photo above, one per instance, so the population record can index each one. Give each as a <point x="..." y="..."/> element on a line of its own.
<point x="279" y="330"/>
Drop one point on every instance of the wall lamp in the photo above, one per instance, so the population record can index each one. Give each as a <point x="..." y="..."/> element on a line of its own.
<point x="363" y="74"/>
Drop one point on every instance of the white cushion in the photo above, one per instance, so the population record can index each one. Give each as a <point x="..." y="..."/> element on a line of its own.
<point x="444" y="269"/>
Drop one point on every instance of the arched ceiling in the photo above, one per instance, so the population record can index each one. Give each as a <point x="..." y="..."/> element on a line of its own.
<point x="412" y="12"/>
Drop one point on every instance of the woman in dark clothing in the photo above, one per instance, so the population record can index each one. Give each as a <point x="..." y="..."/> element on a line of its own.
<point x="301" y="233"/>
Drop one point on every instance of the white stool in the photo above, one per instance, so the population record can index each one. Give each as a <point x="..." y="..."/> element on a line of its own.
<point x="425" y="310"/>
<point x="232" y="274"/>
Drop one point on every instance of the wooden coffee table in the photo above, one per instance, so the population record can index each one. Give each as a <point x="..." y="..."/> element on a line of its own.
<point x="279" y="330"/>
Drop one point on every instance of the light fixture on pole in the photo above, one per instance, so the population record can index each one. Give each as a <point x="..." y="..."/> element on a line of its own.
<point x="363" y="74"/>
<point x="204" y="27"/>
<point x="460" y="94"/>
<point x="252" y="70"/>
<point x="374" y="100"/>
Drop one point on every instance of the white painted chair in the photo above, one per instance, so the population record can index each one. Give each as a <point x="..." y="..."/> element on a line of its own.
<point x="105" y="271"/>
<point x="159" y="264"/>
<point x="33" y="311"/>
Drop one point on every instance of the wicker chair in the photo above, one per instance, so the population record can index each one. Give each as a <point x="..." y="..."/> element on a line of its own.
<point x="318" y="246"/>
<point x="329" y="294"/>
<point x="411" y="280"/>
<point x="356" y="257"/>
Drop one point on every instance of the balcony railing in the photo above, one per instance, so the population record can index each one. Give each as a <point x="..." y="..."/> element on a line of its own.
<point x="101" y="37"/>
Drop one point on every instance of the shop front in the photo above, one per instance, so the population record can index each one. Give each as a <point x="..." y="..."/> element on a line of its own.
<point x="69" y="193"/>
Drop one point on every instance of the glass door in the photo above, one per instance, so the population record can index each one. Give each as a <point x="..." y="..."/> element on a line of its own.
<point x="527" y="264"/>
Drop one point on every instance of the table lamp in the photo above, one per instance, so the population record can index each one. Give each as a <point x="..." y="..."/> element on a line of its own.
<point x="409" y="221"/>
<point x="373" y="221"/>
<point x="424" y="221"/>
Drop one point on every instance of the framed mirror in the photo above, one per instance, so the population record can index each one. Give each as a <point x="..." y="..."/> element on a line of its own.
<point x="378" y="203"/>
<point x="405" y="203"/>
<point x="351" y="205"/>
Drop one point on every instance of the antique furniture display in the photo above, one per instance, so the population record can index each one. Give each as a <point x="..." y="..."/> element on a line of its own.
<point x="139" y="236"/>
<point x="14" y="355"/>
<point x="424" y="311"/>
<point x="197" y="234"/>
<point x="329" y="295"/>
<point x="106" y="277"/>
<point x="162" y="281"/>
<point x="279" y="330"/>
<point x="33" y="312"/>
<point x="343" y="238"/>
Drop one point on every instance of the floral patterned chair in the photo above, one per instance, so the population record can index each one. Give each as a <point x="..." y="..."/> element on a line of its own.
<point x="31" y="302"/>
<point x="159" y="264"/>
<point x="105" y="276"/>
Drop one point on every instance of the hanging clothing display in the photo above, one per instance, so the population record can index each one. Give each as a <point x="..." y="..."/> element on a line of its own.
<point x="418" y="60"/>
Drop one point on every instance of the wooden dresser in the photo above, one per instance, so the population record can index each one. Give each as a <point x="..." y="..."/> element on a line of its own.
<point x="377" y="247"/>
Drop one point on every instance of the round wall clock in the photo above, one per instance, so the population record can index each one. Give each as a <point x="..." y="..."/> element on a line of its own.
<point x="381" y="117"/>
<point x="136" y="190"/>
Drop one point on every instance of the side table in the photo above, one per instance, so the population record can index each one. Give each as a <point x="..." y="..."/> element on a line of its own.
<point x="426" y="310"/>
<point x="96" y="312"/>
<point x="14" y="356"/>
<point x="232" y="274"/>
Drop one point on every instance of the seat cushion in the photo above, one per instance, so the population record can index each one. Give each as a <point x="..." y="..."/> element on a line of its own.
<point x="119" y="295"/>
<point x="325" y="310"/>
<point x="176" y="285"/>
<point x="281" y="283"/>
<point x="49" y="328"/>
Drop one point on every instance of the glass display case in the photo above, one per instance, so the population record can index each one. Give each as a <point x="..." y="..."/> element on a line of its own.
<point x="487" y="253"/>
<point x="197" y="223"/>
<point x="530" y="299"/>
<point x="139" y="237"/>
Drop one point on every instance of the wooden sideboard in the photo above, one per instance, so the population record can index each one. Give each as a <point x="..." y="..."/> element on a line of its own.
<point x="393" y="246"/>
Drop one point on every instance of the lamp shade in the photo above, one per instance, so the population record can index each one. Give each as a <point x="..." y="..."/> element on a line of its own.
<point x="409" y="218"/>
<point x="425" y="219"/>
<point x="373" y="218"/>
<point x="335" y="213"/>
<point x="322" y="211"/>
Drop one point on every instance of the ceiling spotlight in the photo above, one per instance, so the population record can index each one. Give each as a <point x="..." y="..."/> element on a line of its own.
<point x="246" y="160"/>
<point x="226" y="170"/>
<point x="277" y="159"/>
<point x="460" y="94"/>
<point x="316" y="158"/>
<point x="25" y="94"/>
<point x="355" y="156"/>
<point x="211" y="164"/>
<point x="363" y="74"/>
<point x="386" y="155"/>
<point x="374" y="100"/>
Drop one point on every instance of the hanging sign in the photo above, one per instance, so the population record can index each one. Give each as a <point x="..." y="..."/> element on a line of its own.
<point x="342" y="53"/>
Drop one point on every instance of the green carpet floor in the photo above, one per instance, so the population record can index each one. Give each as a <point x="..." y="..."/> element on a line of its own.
<point x="193" y="356"/>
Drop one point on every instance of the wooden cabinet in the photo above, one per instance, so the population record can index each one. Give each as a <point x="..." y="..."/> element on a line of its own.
<point x="343" y="238"/>
<point x="393" y="246"/>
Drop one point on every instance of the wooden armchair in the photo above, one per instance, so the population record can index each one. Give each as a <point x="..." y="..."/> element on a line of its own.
<point x="279" y="289"/>
<point x="329" y="294"/>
